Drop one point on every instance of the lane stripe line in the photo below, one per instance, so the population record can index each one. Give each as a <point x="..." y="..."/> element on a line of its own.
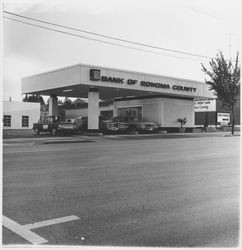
<point x="36" y="151"/>
<point x="17" y="144"/>
<point x="22" y="232"/>
<point x="51" y="222"/>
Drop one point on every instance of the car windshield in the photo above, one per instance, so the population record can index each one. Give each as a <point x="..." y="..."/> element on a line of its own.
<point x="42" y="119"/>
<point x="119" y="119"/>
<point x="49" y="119"/>
<point x="70" y="120"/>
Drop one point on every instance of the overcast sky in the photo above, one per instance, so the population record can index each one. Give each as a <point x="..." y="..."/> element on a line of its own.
<point x="199" y="27"/>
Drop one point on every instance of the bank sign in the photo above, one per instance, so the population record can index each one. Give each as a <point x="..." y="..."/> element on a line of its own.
<point x="204" y="105"/>
<point x="95" y="75"/>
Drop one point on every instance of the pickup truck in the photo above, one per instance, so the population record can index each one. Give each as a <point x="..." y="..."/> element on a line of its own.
<point x="47" y="124"/>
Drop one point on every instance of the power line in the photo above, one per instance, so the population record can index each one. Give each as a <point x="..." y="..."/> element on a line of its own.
<point x="109" y="37"/>
<point x="94" y="39"/>
<point x="203" y="12"/>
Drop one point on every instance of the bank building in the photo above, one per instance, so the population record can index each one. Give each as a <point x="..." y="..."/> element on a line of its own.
<point x="156" y="98"/>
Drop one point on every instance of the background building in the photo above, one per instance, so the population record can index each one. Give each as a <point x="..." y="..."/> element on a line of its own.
<point x="20" y="115"/>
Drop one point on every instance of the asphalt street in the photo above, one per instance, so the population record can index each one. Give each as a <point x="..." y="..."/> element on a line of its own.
<point x="147" y="192"/>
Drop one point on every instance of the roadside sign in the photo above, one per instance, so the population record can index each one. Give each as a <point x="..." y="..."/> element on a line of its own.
<point x="223" y="118"/>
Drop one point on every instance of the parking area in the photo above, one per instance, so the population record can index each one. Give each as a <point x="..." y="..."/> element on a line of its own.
<point x="121" y="191"/>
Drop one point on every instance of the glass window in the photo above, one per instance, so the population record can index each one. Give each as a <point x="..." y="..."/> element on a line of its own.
<point x="131" y="111"/>
<point x="7" y="120"/>
<point x="25" y="121"/>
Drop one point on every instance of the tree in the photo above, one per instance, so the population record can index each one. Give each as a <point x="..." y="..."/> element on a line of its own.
<point x="34" y="98"/>
<point x="182" y="121"/>
<point x="67" y="103"/>
<point x="225" y="81"/>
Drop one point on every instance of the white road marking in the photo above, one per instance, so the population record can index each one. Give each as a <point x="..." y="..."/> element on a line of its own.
<point x="23" y="232"/>
<point x="51" y="222"/>
<point x="17" y="144"/>
<point x="36" y="151"/>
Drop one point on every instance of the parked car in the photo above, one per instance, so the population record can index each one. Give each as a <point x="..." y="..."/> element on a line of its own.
<point x="105" y="124"/>
<point x="69" y="125"/>
<point x="136" y="124"/>
<point x="47" y="124"/>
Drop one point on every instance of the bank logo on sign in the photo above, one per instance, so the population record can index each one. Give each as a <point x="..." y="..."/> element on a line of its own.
<point x="95" y="74"/>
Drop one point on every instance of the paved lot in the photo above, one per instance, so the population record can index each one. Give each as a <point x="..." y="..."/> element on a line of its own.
<point x="146" y="192"/>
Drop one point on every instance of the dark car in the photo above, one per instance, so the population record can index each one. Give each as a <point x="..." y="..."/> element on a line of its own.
<point x="47" y="124"/>
<point x="136" y="124"/>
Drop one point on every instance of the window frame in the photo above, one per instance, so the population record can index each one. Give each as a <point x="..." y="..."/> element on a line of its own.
<point x="130" y="107"/>
<point x="24" y="123"/>
<point x="7" y="120"/>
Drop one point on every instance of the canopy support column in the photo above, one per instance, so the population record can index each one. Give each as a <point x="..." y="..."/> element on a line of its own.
<point x="53" y="106"/>
<point x="93" y="109"/>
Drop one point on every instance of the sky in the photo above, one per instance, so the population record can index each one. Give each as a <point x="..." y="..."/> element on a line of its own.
<point x="201" y="27"/>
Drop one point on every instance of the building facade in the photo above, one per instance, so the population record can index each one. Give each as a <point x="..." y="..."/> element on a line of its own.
<point x="163" y="110"/>
<point x="20" y="115"/>
<point x="155" y="97"/>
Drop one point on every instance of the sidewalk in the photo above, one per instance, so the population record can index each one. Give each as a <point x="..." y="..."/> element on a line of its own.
<point x="21" y="133"/>
<point x="48" y="139"/>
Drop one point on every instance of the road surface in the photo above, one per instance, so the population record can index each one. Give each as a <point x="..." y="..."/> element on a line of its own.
<point x="148" y="192"/>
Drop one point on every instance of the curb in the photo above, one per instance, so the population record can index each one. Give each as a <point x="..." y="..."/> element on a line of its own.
<point x="230" y="135"/>
<point x="94" y="137"/>
<point x="67" y="141"/>
<point x="92" y="134"/>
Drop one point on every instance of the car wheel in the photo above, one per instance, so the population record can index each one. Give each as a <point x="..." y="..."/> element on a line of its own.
<point x="37" y="132"/>
<point x="53" y="131"/>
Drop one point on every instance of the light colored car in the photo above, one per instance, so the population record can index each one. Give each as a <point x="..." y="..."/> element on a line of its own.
<point x="105" y="124"/>
<point x="70" y="125"/>
<point x="136" y="124"/>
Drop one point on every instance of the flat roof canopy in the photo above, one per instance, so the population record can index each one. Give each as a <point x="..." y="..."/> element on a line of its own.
<point x="75" y="81"/>
<point x="81" y="90"/>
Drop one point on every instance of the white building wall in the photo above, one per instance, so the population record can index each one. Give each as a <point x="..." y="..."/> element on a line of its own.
<point x="174" y="109"/>
<point x="18" y="109"/>
<point x="77" y="113"/>
<point x="164" y="111"/>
